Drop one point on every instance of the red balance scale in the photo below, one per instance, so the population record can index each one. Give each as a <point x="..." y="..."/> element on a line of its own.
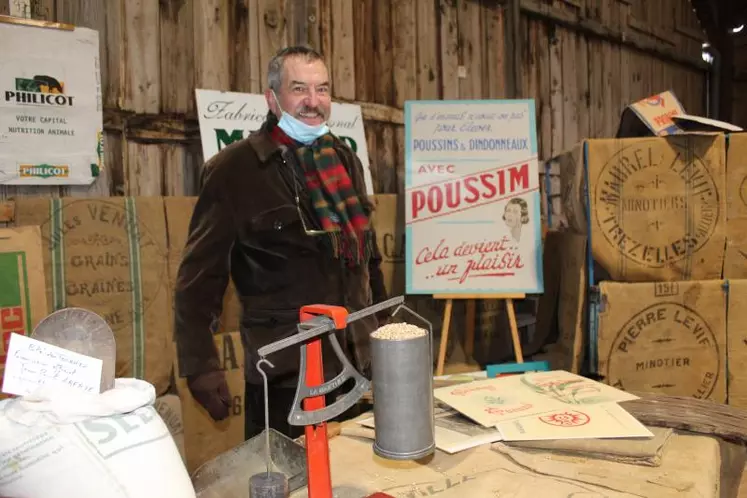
<point x="315" y="321"/>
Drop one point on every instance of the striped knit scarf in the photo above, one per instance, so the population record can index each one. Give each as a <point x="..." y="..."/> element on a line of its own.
<point x="333" y="196"/>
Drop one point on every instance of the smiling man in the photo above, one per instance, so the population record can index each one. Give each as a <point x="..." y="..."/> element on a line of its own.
<point x="284" y="214"/>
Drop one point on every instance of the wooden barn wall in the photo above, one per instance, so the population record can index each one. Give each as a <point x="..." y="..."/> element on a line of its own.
<point x="582" y="60"/>
<point x="582" y="76"/>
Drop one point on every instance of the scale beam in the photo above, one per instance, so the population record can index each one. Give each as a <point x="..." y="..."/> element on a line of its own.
<point x="323" y="324"/>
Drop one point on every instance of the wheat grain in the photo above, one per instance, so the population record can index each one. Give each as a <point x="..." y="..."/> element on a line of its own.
<point x="398" y="332"/>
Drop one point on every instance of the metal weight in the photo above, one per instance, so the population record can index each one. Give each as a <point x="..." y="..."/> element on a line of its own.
<point x="83" y="332"/>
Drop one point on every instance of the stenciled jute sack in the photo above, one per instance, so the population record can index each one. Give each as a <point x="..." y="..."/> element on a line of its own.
<point x="690" y="467"/>
<point x="109" y="255"/>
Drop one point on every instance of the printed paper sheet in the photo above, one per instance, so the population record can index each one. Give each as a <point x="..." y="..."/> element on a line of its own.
<point x="609" y="420"/>
<point x="493" y="401"/>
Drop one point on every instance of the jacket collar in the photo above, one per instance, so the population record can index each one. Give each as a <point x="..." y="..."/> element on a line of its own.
<point x="262" y="142"/>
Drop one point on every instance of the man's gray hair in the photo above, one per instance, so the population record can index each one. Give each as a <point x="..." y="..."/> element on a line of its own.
<point x="275" y="68"/>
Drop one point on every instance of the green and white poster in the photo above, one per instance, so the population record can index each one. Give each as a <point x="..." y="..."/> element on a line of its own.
<point x="226" y="117"/>
<point x="51" y="120"/>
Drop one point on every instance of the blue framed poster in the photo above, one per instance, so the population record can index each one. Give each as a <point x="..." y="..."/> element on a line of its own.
<point x="473" y="221"/>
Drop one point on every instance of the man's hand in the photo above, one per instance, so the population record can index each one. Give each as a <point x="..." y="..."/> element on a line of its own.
<point x="211" y="391"/>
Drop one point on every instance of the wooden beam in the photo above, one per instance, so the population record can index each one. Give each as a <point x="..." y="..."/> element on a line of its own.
<point x="36" y="23"/>
<point x="151" y="128"/>
<point x="162" y="128"/>
<point x="569" y="20"/>
<point x="381" y="113"/>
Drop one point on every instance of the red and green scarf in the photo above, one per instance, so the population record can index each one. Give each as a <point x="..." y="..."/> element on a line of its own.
<point x="333" y="196"/>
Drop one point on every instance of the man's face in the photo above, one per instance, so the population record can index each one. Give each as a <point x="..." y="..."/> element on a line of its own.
<point x="512" y="215"/>
<point x="304" y="91"/>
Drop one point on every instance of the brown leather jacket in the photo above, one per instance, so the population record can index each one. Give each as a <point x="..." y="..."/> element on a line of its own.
<point x="246" y="223"/>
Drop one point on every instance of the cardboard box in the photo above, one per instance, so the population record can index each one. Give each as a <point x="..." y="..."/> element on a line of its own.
<point x="663" y="115"/>
<point x="23" y="298"/>
<point x="664" y="337"/>
<point x="651" y="116"/>
<point x="656" y="206"/>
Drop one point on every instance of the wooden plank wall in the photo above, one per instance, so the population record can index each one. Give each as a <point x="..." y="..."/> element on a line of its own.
<point x="381" y="53"/>
<point x="582" y="83"/>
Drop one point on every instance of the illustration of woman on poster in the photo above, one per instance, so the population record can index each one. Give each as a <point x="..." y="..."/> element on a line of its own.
<point x="515" y="215"/>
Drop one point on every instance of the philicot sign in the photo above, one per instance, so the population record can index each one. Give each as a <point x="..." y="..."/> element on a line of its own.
<point x="227" y="117"/>
<point x="51" y="122"/>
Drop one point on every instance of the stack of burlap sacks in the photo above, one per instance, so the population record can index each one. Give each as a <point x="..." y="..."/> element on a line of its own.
<point x="118" y="256"/>
<point x="668" y="465"/>
<point x="667" y="220"/>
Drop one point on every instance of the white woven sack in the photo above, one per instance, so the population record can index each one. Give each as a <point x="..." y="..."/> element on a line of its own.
<point x="108" y="445"/>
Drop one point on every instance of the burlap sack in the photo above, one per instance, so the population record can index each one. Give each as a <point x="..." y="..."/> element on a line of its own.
<point x="736" y="351"/>
<point x="735" y="265"/>
<point x="178" y="215"/>
<point x="664" y="337"/>
<point x="109" y="255"/>
<point x="690" y="468"/>
<point x="389" y="223"/>
<point x="169" y="408"/>
<point x="653" y="207"/>
<point x="204" y="439"/>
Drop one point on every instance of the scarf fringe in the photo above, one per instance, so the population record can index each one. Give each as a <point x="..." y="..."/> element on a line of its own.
<point x="353" y="250"/>
<point x="335" y="201"/>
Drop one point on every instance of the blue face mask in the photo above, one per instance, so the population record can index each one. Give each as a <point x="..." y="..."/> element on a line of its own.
<point x="298" y="130"/>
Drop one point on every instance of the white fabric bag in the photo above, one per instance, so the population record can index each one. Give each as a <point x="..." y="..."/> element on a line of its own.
<point x="108" y="445"/>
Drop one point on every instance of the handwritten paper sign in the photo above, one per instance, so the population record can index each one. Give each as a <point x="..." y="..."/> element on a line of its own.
<point x="472" y="197"/>
<point x="227" y="117"/>
<point x="32" y="364"/>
